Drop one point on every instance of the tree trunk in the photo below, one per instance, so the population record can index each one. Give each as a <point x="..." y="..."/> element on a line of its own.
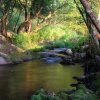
<point x="4" y="19"/>
<point x="94" y="24"/>
<point x="27" y="24"/>
<point x="91" y="14"/>
<point x="3" y="25"/>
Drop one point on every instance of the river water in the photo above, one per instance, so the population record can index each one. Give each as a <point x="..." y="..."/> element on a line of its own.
<point x="18" y="81"/>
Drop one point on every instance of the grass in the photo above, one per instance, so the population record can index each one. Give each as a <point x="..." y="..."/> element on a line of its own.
<point x="49" y="33"/>
<point x="23" y="40"/>
<point x="49" y="36"/>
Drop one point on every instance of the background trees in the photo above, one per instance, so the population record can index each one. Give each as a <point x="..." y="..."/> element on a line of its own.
<point x="29" y="9"/>
<point x="5" y="10"/>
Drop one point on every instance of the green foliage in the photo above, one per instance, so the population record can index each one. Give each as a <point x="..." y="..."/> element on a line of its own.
<point x="96" y="84"/>
<point x="63" y="95"/>
<point x="15" y="19"/>
<point x="66" y="38"/>
<point x="66" y="26"/>
<point x="42" y="95"/>
<point x="23" y="40"/>
<point x="49" y="32"/>
<point x="82" y="93"/>
<point x="49" y="36"/>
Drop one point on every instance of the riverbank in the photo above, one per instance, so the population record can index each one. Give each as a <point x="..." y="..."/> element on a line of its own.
<point x="12" y="54"/>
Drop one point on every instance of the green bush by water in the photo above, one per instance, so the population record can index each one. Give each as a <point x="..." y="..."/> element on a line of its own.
<point x="48" y="37"/>
<point x="81" y="93"/>
<point x="69" y="39"/>
<point x="22" y="40"/>
<point x="49" y="33"/>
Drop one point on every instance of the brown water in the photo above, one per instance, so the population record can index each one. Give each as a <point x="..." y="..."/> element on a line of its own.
<point x="18" y="81"/>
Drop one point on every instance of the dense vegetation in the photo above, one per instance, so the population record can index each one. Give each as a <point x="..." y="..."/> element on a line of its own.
<point x="82" y="93"/>
<point x="64" y="24"/>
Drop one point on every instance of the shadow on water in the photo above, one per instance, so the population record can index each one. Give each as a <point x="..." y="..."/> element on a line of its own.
<point x="17" y="81"/>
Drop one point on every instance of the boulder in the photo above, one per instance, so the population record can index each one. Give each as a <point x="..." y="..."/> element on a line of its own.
<point x="4" y="55"/>
<point x="3" y="61"/>
<point x="69" y="51"/>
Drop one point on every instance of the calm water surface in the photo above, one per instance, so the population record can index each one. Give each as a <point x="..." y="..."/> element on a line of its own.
<point x="18" y="81"/>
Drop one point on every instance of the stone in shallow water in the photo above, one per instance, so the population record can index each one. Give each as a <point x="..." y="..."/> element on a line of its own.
<point x="51" y="59"/>
<point x="69" y="52"/>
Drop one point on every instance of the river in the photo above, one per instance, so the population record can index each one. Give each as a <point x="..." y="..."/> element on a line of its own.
<point x="18" y="81"/>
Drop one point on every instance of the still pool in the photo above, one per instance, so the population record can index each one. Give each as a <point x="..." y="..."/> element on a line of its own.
<point x="18" y="81"/>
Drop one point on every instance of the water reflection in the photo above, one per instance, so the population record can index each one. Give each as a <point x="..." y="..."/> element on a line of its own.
<point x="17" y="81"/>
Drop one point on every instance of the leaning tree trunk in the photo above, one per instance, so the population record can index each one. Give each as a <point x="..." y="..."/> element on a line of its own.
<point x="27" y="24"/>
<point x="95" y="32"/>
<point x="91" y="14"/>
<point x="95" y="24"/>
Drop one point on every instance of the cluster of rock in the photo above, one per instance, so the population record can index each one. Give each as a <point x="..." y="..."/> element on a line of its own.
<point x="62" y="55"/>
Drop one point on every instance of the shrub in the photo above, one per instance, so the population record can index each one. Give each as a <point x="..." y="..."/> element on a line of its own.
<point x="23" y="40"/>
<point x="71" y="39"/>
<point x="49" y="36"/>
<point x="49" y="33"/>
<point x="82" y="93"/>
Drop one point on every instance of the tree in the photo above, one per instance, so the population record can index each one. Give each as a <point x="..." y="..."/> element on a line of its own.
<point x="91" y="14"/>
<point x="5" y="6"/>
<point x="42" y="9"/>
<point x="92" y="22"/>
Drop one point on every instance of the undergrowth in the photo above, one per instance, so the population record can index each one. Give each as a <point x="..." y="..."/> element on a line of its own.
<point x="49" y="36"/>
<point x="81" y="93"/>
<point x="22" y="40"/>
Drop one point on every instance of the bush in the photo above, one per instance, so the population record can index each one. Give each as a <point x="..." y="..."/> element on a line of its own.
<point x="49" y="36"/>
<point x="49" y="33"/>
<point x="82" y="93"/>
<point x="23" y="40"/>
<point x="71" y="39"/>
